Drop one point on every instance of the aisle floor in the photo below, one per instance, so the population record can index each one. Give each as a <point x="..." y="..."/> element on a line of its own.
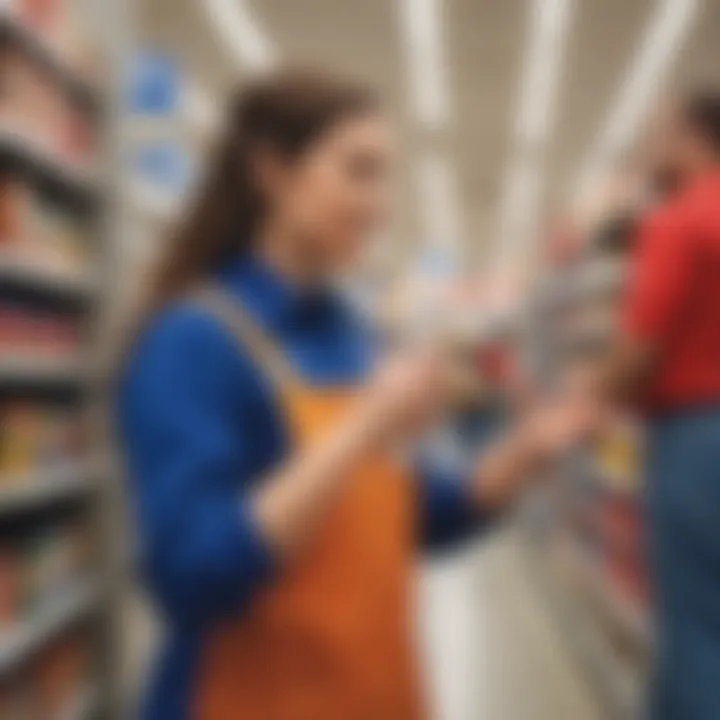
<point x="493" y="649"/>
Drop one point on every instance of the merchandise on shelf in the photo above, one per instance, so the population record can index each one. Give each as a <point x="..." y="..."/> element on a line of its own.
<point x="50" y="122"/>
<point x="58" y="29"/>
<point x="44" y="16"/>
<point x="596" y="322"/>
<point x="56" y="557"/>
<point x="53" y="685"/>
<point x="618" y="455"/>
<point x="37" y="565"/>
<point x="14" y="201"/>
<point x="597" y="540"/>
<point x="61" y="675"/>
<point x="35" y="437"/>
<point x="17" y="699"/>
<point x="39" y="233"/>
<point x="37" y="106"/>
<point x="11" y="584"/>
<point x="28" y="332"/>
<point x="32" y="107"/>
<point x="496" y="363"/>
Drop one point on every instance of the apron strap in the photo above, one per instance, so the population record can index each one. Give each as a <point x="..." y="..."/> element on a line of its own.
<point x="230" y="312"/>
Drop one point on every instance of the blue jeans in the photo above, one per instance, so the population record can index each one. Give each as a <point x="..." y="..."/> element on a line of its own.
<point x="682" y="495"/>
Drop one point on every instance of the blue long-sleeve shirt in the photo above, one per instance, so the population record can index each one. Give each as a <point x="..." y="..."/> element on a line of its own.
<point x="200" y="426"/>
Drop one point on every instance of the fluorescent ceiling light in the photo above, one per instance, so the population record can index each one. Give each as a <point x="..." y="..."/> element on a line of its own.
<point x="235" y="24"/>
<point x="538" y="88"/>
<point x="437" y="199"/>
<point x="537" y="103"/>
<point x="423" y="30"/>
<point x="662" y="41"/>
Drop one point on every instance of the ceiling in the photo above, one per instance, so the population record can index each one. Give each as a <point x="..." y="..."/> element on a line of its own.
<point x="484" y="43"/>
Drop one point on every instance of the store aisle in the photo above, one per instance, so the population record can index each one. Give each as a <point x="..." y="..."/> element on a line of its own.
<point x="492" y="648"/>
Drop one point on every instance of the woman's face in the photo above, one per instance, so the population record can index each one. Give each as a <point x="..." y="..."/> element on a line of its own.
<point x="334" y="196"/>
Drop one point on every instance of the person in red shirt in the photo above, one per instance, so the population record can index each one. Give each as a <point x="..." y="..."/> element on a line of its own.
<point x="667" y="358"/>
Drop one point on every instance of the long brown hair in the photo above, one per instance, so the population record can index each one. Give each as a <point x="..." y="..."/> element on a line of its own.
<point x="283" y="113"/>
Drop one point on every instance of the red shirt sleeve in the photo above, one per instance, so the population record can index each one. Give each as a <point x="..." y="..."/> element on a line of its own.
<point x="660" y="278"/>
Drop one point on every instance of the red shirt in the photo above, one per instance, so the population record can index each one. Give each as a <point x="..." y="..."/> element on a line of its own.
<point x="674" y="296"/>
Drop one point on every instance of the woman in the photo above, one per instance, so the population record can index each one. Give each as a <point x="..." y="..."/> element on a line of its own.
<point x="278" y="532"/>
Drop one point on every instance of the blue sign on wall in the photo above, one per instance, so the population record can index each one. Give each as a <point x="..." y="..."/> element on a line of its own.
<point x="154" y="84"/>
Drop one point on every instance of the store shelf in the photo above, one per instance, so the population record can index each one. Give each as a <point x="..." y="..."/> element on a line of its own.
<point x="590" y="335"/>
<point x="50" y="619"/>
<point x="595" y="277"/>
<point x="83" y="707"/>
<point x="591" y="536"/>
<point x="35" y="371"/>
<point x="618" y="683"/>
<point x="619" y="486"/>
<point x="35" y="157"/>
<point x="620" y="688"/>
<point x="623" y="617"/>
<point x="42" y="51"/>
<point x="18" y="273"/>
<point x="51" y="291"/>
<point x="628" y="619"/>
<point x="45" y="488"/>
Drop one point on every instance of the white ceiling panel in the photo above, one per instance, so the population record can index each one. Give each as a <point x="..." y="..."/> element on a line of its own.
<point x="484" y="48"/>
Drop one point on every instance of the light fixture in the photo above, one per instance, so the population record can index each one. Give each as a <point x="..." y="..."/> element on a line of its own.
<point x="235" y="24"/>
<point x="538" y="87"/>
<point x="662" y="41"/>
<point x="519" y="206"/>
<point x="422" y="26"/>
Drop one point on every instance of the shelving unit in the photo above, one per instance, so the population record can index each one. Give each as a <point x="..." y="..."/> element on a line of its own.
<point x="45" y="488"/>
<point x="629" y="619"/>
<point x="616" y="681"/>
<point x="13" y="29"/>
<point x="54" y="619"/>
<point x="18" y="274"/>
<point x="583" y="540"/>
<point x="27" y="370"/>
<point x="45" y="622"/>
<point x="595" y="277"/>
<point x="44" y="164"/>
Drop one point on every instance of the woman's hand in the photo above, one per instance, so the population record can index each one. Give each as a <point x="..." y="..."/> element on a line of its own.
<point x="542" y="436"/>
<point x="407" y="392"/>
<point x="554" y="428"/>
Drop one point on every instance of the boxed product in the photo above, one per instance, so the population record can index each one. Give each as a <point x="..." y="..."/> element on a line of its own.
<point x="52" y="686"/>
<point x="17" y="700"/>
<point x="11" y="585"/>
<point x="618" y="455"/>
<point x="34" y="437"/>
<point x="61" y="675"/>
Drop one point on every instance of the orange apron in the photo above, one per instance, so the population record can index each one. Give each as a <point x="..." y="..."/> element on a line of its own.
<point x="331" y="638"/>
